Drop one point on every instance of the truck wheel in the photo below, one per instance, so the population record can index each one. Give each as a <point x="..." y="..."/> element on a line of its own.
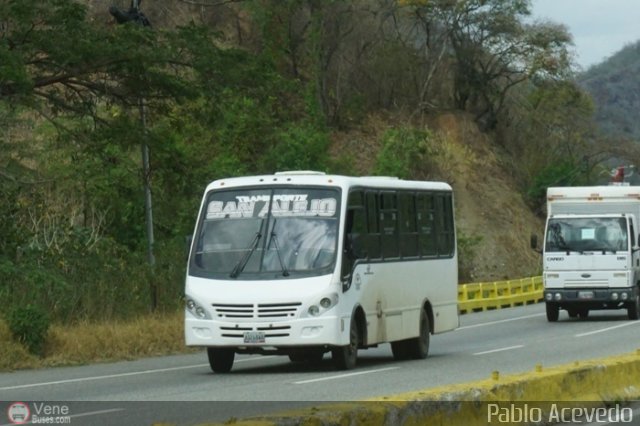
<point x="345" y="357"/>
<point x="220" y="359"/>
<point x="583" y="313"/>
<point x="633" y="311"/>
<point x="553" y="312"/>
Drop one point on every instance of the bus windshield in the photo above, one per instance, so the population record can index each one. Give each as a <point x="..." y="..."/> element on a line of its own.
<point x="587" y="234"/>
<point x="267" y="233"/>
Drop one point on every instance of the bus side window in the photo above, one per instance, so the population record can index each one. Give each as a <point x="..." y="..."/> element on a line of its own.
<point x="444" y="225"/>
<point x="373" y="227"/>
<point x="426" y="224"/>
<point x="408" y="231"/>
<point x="389" y="225"/>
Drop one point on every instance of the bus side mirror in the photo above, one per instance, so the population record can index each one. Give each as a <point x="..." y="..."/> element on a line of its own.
<point x="188" y="240"/>
<point x="534" y="243"/>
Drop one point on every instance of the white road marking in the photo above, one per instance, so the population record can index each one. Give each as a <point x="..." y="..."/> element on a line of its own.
<point x="111" y="376"/>
<point x="499" y="350"/>
<point x="342" y="376"/>
<point x="499" y="321"/>
<point x="602" y="330"/>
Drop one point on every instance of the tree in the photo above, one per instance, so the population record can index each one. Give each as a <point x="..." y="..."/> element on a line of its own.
<point x="494" y="50"/>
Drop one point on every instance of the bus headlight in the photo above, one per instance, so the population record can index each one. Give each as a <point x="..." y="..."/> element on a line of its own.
<point x="196" y="310"/>
<point x="323" y="305"/>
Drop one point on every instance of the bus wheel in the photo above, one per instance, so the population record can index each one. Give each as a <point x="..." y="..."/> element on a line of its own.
<point x="633" y="311"/>
<point x="399" y="350"/>
<point x="220" y="359"/>
<point x="418" y="347"/>
<point x="344" y="357"/>
<point x="310" y="355"/>
<point x="553" y="312"/>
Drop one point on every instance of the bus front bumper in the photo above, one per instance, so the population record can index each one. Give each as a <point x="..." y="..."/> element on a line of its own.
<point x="320" y="331"/>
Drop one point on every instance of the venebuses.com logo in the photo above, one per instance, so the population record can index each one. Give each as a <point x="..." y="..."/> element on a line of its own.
<point x="18" y="413"/>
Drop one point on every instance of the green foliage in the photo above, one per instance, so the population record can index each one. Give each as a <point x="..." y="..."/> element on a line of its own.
<point x="299" y="147"/>
<point x="404" y="152"/>
<point x="559" y="173"/>
<point x="467" y="251"/>
<point x="29" y="325"/>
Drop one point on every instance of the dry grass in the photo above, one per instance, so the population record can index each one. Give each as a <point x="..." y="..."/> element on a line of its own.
<point x="90" y="343"/>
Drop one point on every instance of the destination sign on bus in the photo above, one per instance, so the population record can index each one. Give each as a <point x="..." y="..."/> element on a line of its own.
<point x="283" y="205"/>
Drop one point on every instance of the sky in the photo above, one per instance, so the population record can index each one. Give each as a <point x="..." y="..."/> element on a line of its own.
<point x="600" y="28"/>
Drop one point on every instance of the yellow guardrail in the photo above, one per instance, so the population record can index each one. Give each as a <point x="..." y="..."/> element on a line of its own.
<point x="499" y="294"/>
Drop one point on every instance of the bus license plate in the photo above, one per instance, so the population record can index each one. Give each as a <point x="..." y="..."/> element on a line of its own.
<point x="585" y="295"/>
<point x="254" y="337"/>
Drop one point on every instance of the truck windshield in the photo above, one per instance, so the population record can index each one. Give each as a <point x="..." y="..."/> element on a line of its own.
<point x="267" y="233"/>
<point x="587" y="234"/>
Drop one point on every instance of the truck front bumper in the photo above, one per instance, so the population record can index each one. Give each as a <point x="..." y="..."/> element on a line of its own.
<point x="611" y="296"/>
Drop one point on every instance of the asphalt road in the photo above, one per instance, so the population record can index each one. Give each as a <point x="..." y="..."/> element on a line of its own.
<point x="183" y="390"/>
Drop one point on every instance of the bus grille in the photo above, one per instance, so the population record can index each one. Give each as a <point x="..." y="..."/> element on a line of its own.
<point x="269" y="331"/>
<point x="261" y="310"/>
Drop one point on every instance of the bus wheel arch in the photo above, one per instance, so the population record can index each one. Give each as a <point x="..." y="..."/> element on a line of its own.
<point x="345" y="357"/>
<point x="426" y="306"/>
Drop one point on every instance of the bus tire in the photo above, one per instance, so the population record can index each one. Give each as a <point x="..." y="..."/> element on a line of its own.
<point x="220" y="359"/>
<point x="311" y="355"/>
<point x="345" y="357"/>
<point x="553" y="312"/>
<point x="633" y="311"/>
<point x="399" y="350"/>
<point x="418" y="347"/>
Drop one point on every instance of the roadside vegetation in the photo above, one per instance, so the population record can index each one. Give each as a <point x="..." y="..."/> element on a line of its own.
<point x="233" y="88"/>
<point x="84" y="343"/>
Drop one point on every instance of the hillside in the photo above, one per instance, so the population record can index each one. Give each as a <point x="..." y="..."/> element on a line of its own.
<point x="615" y="89"/>
<point x="492" y="218"/>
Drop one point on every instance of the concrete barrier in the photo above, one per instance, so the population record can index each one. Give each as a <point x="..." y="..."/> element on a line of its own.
<point x="589" y="388"/>
<point x="499" y="294"/>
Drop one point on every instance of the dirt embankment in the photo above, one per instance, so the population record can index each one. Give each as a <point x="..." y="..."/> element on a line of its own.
<point x="489" y="208"/>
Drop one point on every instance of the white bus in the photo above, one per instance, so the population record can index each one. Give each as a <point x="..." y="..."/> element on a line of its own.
<point x="301" y="263"/>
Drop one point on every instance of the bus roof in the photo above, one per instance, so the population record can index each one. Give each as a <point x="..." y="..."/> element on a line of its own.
<point x="306" y="177"/>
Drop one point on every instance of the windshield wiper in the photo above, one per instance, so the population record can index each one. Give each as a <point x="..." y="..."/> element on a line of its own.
<point x="245" y="259"/>
<point x="274" y="238"/>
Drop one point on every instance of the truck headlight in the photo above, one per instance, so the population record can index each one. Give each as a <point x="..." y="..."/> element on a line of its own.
<point x="557" y="297"/>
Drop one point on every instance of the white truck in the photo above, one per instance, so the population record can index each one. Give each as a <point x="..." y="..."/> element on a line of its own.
<point x="591" y="257"/>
